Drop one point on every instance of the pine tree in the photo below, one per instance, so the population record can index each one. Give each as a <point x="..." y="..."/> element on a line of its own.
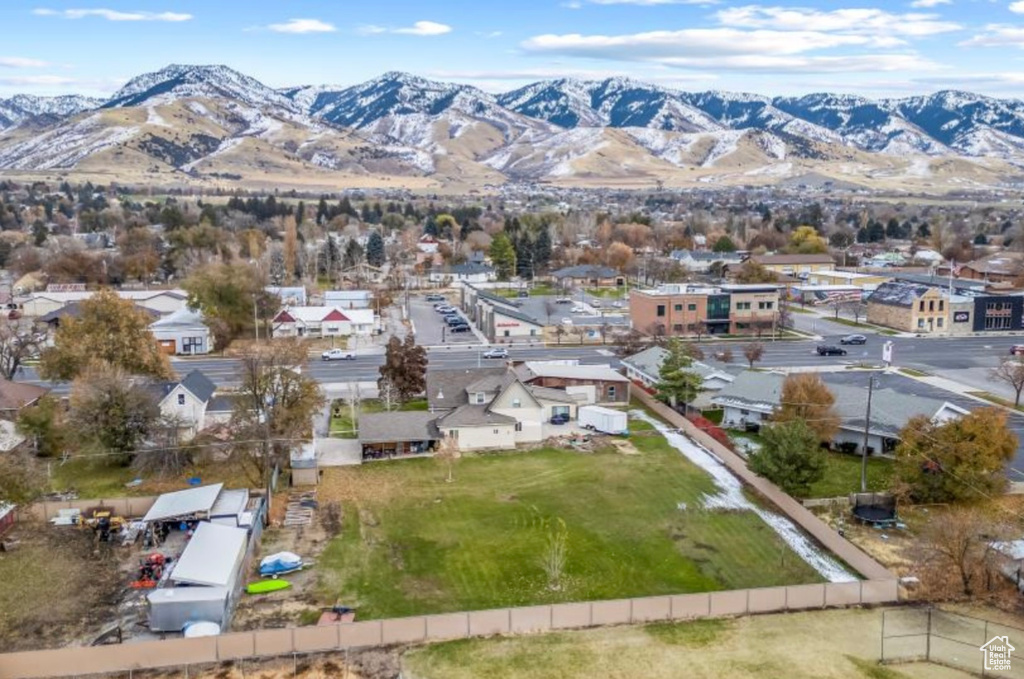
<point x="524" y="257"/>
<point x="790" y="456"/>
<point x="375" y="250"/>
<point x="503" y="256"/>
<point x="430" y="228"/>
<point x="353" y="253"/>
<point x="300" y="213"/>
<point x="321" y="211"/>
<point x="542" y="250"/>
<point x="678" y="384"/>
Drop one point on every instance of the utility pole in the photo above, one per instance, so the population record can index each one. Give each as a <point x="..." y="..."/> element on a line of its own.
<point x="864" y="448"/>
<point x="255" y="320"/>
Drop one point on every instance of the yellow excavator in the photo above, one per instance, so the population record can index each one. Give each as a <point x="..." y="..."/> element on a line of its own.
<point x="102" y="521"/>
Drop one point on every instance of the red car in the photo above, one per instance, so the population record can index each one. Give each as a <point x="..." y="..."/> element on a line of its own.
<point x="1017" y="350"/>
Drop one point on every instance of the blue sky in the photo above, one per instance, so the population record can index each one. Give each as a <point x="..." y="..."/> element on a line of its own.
<point x="888" y="48"/>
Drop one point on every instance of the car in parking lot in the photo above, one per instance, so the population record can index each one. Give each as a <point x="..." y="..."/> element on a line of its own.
<point x="1017" y="350"/>
<point x="455" y="320"/>
<point x="435" y="298"/>
<point x="459" y="328"/>
<point x="854" y="339"/>
<point x="338" y="355"/>
<point x="596" y="303"/>
<point x="579" y="309"/>
<point x="563" y="300"/>
<point x="445" y="309"/>
<point x="496" y="352"/>
<point x="825" y="350"/>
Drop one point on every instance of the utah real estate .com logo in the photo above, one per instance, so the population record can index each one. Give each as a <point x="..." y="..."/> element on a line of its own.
<point x="997" y="653"/>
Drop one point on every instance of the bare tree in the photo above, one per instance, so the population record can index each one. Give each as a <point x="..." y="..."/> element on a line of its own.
<point x="959" y="539"/>
<point x="559" y="332"/>
<point x="447" y="452"/>
<point x="855" y="308"/>
<point x="15" y="348"/>
<point x="1011" y="372"/>
<point x="549" y="309"/>
<point x="753" y="352"/>
<point x="580" y="332"/>
<point x="387" y="393"/>
<point x="725" y="356"/>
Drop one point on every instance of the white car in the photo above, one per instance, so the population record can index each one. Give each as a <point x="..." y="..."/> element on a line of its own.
<point x="497" y="352"/>
<point x="596" y="303"/>
<point x="338" y="355"/>
<point x="579" y="309"/>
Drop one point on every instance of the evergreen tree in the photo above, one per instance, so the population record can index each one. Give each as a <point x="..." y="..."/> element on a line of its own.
<point x="678" y="384"/>
<point x="790" y="456"/>
<point x="321" y="211"/>
<point x="430" y="228"/>
<point x="524" y="257"/>
<point x="375" y="249"/>
<point x="503" y="256"/>
<point x="300" y="213"/>
<point x="542" y="250"/>
<point x="353" y="253"/>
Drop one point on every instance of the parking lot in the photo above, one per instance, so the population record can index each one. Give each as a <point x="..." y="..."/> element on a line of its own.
<point x="431" y="330"/>
<point x="581" y="310"/>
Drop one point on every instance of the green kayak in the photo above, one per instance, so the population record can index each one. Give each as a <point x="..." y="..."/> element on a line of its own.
<point x="267" y="586"/>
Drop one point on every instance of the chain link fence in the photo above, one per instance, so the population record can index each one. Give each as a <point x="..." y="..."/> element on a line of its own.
<point x="953" y="640"/>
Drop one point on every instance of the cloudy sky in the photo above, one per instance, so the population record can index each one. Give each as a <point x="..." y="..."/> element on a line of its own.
<point x="877" y="48"/>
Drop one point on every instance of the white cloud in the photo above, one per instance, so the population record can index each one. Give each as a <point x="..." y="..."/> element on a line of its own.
<point x="113" y="15"/>
<point x="22" y="62"/>
<point x="862" y="63"/>
<point x="651" y="3"/>
<point x="693" y="42"/>
<point x="930" y="3"/>
<point x="302" y="26"/>
<point x="864" y="21"/>
<point x="997" y="35"/>
<point x="1017" y="7"/>
<point x="424" y="28"/>
<point x="37" y="80"/>
<point x="490" y="34"/>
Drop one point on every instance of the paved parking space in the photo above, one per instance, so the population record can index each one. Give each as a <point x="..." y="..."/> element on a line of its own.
<point x="431" y="329"/>
<point x="541" y="306"/>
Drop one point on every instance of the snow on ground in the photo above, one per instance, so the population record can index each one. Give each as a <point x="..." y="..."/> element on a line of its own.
<point x="154" y="118"/>
<point x="730" y="496"/>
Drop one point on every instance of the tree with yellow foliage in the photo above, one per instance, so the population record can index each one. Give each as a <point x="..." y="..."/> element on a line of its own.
<point x="806" y="240"/>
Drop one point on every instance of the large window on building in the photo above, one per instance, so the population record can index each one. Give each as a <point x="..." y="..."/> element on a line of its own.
<point x="661" y="311"/>
<point x="998" y="315"/>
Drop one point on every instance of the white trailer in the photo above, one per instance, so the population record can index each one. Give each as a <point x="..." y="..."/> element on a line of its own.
<point x="602" y="419"/>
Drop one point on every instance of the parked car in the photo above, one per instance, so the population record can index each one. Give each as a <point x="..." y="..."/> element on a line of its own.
<point x="579" y="309"/>
<point x="338" y="355"/>
<point x="435" y="298"/>
<point x="1017" y="350"/>
<point x="854" y="339"/>
<point x="523" y="293"/>
<point x="566" y="321"/>
<point x="596" y="303"/>
<point x="560" y="418"/>
<point x="459" y="328"/>
<point x="455" y="320"/>
<point x="445" y="309"/>
<point x="831" y="351"/>
<point x="497" y="352"/>
<point x="563" y="300"/>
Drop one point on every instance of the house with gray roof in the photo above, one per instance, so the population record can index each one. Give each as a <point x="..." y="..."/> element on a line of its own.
<point x="183" y="332"/>
<point x="469" y="272"/>
<point x="754" y="396"/>
<point x="397" y="434"/>
<point x="700" y="261"/>
<point x="185" y="402"/>
<point x="590" y="275"/>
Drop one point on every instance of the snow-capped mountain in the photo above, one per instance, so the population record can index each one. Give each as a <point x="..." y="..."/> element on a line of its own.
<point x="197" y="82"/>
<point x="215" y="121"/>
<point x="614" y="102"/>
<point x="22" y="107"/>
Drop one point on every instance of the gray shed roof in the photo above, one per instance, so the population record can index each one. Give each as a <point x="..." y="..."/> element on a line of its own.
<point x="647" y="361"/>
<point x="398" y="426"/>
<point x="184" y="502"/>
<point x="473" y="416"/>
<point x="211" y="556"/>
<point x="753" y="389"/>
<point x="519" y="316"/>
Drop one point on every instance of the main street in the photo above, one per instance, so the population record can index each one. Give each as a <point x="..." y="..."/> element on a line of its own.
<point x="964" y="359"/>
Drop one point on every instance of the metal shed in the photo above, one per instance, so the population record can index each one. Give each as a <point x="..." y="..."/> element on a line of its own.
<point x="171" y="608"/>
<point x="212" y="557"/>
<point x="182" y="503"/>
<point x="229" y="507"/>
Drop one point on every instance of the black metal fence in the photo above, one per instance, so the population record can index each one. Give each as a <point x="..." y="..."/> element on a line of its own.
<point x="954" y="640"/>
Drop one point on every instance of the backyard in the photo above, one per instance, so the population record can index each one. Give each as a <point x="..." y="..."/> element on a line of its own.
<point x="634" y="525"/>
<point x="344" y="427"/>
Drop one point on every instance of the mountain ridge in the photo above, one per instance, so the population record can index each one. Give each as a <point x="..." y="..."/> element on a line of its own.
<point x="550" y="129"/>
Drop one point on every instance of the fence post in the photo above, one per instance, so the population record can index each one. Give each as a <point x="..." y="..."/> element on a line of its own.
<point x="983" y="640"/>
<point x="928" y="639"/>
<point x="882" y="660"/>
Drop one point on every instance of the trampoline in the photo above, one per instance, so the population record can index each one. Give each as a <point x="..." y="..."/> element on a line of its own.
<point x="877" y="509"/>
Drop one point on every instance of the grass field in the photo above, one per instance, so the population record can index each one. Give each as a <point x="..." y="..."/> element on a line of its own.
<point x="607" y="293"/>
<point x="413" y="544"/>
<point x="832" y="644"/>
<point x="842" y="476"/>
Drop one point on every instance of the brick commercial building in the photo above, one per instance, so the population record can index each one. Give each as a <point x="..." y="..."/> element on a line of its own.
<point x="681" y="309"/>
<point x="910" y="307"/>
<point x="800" y="266"/>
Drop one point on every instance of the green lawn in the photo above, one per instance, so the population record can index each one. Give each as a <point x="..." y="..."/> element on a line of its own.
<point x="413" y="544"/>
<point x="95" y="477"/>
<point x="842" y="476"/>
<point x="535" y="290"/>
<point x="343" y="427"/>
<point x="608" y="293"/>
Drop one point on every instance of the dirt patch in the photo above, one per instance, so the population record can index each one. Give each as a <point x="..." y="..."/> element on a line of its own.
<point x="360" y="485"/>
<point x="59" y="586"/>
<point x="367" y="664"/>
<point x="623" y="446"/>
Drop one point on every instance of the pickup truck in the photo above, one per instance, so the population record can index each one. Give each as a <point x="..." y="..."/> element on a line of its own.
<point x="338" y="355"/>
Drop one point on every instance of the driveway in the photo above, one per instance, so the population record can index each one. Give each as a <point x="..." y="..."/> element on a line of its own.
<point x="338" y="452"/>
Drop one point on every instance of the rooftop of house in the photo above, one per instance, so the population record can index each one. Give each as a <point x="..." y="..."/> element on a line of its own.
<point x="182" y="318"/>
<point x="17" y="395"/>
<point x="470" y="268"/>
<point x="473" y="415"/>
<point x="446" y="389"/>
<point x="898" y="293"/>
<point x="706" y="256"/>
<point x="1005" y="263"/>
<point x="534" y="369"/>
<point x="650" y="359"/>
<point x="398" y="426"/>
<point x="586" y="271"/>
<point x="74" y="310"/>
<point x="792" y="259"/>
<point x="198" y="384"/>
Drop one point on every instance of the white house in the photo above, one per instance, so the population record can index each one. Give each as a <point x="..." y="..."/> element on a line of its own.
<point x="183" y="332"/>
<point x="428" y="244"/>
<point x="322" y="321"/>
<point x="463" y="273"/>
<point x="161" y="301"/>
<point x="348" y="299"/>
<point x="293" y="296"/>
<point x="185" y="402"/>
